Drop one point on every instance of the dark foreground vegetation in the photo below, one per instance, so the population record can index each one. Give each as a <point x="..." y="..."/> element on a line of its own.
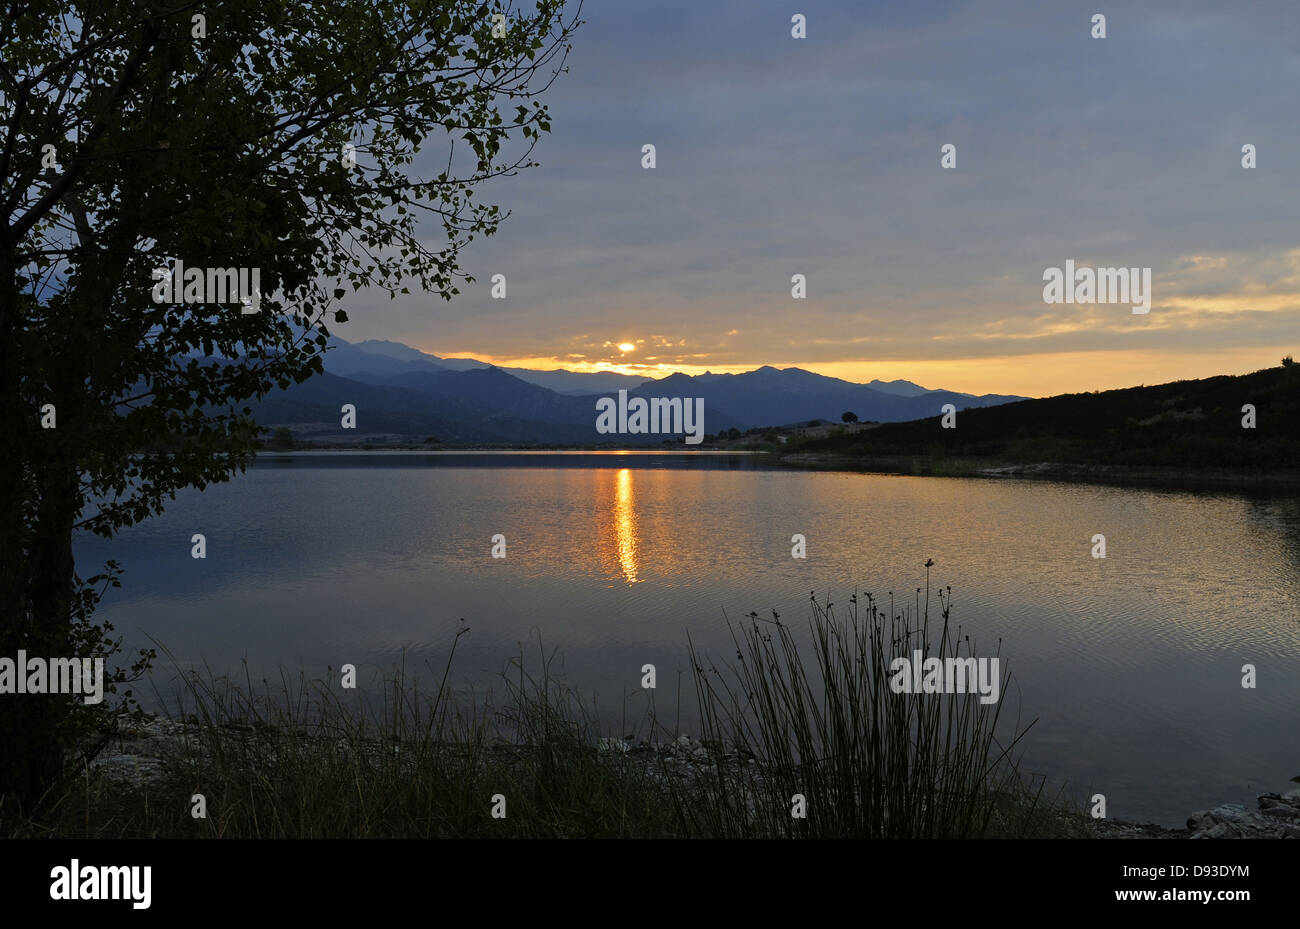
<point x="793" y="714"/>
<point x="1183" y="429"/>
<point x="272" y="142"/>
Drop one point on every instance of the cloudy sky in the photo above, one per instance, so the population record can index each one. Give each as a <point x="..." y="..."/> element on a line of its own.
<point x="821" y="156"/>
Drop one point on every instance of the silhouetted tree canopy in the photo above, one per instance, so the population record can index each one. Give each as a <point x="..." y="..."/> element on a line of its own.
<point x="228" y="134"/>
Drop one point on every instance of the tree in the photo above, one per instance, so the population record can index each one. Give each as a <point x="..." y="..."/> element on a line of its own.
<point x="283" y="438"/>
<point x="233" y="134"/>
<point x="849" y="417"/>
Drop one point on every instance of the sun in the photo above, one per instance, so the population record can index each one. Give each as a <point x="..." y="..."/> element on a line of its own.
<point x="626" y="346"/>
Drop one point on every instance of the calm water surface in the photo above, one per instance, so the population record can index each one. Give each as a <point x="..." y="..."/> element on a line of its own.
<point x="1131" y="664"/>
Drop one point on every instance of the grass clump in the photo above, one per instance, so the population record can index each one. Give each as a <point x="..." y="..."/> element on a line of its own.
<point x="830" y="735"/>
<point x="308" y="759"/>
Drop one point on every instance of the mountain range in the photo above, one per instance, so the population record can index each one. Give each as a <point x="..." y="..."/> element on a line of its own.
<point x="402" y="394"/>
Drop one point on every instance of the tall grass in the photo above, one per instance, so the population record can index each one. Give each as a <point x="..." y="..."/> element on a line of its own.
<point x="866" y="761"/>
<point x="307" y="759"/>
<point x="301" y="758"/>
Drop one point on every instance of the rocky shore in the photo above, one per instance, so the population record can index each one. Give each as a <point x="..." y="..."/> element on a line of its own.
<point x="138" y="758"/>
<point x="1277" y="817"/>
<point x="1205" y="478"/>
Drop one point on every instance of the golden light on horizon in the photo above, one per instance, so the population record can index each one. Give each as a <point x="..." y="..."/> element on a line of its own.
<point x="626" y="347"/>
<point x="1034" y="374"/>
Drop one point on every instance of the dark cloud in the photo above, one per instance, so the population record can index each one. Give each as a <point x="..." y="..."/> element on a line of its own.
<point x="821" y="156"/>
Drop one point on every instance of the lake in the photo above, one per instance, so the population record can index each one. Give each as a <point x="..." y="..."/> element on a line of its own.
<point x="1131" y="664"/>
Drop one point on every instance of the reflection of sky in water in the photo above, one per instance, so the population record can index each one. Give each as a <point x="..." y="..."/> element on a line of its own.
<point x="1131" y="664"/>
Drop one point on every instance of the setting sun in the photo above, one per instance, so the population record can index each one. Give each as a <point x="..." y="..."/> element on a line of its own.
<point x="625" y="346"/>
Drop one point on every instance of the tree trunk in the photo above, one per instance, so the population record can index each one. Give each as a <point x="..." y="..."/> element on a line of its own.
<point x="39" y="494"/>
<point x="32" y="725"/>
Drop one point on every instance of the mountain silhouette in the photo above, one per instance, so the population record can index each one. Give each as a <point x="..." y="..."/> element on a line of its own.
<point x="402" y="393"/>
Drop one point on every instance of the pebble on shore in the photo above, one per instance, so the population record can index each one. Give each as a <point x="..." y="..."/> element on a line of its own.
<point x="138" y="759"/>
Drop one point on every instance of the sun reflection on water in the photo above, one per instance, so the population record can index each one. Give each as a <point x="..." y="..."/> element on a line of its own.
<point x="625" y="525"/>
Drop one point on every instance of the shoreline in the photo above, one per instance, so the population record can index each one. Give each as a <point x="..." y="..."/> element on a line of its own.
<point x="1213" y="479"/>
<point x="1104" y="475"/>
<point x="137" y="760"/>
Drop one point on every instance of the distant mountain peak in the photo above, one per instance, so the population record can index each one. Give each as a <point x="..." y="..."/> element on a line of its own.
<point x="394" y="350"/>
<point x="902" y="388"/>
<point x="764" y="396"/>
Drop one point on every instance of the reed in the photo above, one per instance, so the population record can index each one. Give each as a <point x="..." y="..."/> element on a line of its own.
<point x="305" y="758"/>
<point x="829" y="735"/>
